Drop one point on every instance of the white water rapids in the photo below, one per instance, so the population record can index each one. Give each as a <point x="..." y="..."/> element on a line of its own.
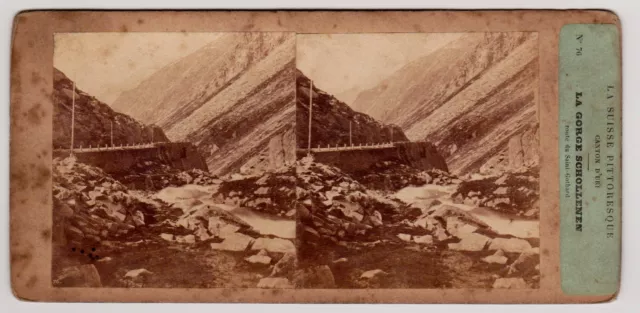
<point x="502" y="223"/>
<point x="187" y="196"/>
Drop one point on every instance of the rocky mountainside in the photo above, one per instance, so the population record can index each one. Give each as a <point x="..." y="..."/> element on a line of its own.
<point x="93" y="119"/>
<point x="330" y="120"/>
<point x="475" y="98"/>
<point x="233" y="98"/>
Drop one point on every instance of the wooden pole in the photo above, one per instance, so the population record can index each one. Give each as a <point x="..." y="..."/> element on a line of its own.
<point x="112" y="133"/>
<point x="73" y="115"/>
<point x="310" y="113"/>
<point x="350" y="139"/>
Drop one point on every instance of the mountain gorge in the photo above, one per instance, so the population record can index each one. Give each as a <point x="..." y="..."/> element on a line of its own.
<point x="475" y="98"/>
<point x="93" y="120"/>
<point x="331" y="118"/>
<point x="233" y="98"/>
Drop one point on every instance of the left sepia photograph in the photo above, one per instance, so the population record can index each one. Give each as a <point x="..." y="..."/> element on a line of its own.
<point x="174" y="160"/>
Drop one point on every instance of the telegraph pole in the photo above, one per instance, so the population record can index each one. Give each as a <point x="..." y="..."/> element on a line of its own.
<point x="391" y="134"/>
<point x="310" y="114"/>
<point x="73" y="115"/>
<point x="112" y="133"/>
<point x="350" y="140"/>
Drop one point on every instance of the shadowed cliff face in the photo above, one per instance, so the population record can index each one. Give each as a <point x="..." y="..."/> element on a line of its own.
<point x="93" y="120"/>
<point x="471" y="98"/>
<point x="231" y="98"/>
<point x="330" y="121"/>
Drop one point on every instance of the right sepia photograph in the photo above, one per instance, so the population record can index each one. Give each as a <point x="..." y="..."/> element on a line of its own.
<point x="418" y="160"/>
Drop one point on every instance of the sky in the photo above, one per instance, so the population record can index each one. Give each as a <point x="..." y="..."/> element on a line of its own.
<point x="346" y="64"/>
<point x="106" y="64"/>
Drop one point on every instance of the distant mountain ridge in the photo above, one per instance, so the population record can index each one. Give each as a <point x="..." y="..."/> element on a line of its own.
<point x="231" y="98"/>
<point x="469" y="98"/>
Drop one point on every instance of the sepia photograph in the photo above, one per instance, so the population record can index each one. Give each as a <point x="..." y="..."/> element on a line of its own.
<point x="418" y="160"/>
<point x="276" y="160"/>
<point x="174" y="160"/>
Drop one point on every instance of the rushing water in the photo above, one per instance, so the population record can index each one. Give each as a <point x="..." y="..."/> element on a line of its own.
<point x="502" y="223"/>
<point x="187" y="196"/>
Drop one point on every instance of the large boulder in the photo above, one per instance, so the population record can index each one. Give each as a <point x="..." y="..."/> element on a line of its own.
<point x="510" y="245"/>
<point x="314" y="277"/>
<point x="510" y="283"/>
<point x="274" y="245"/>
<point x="457" y="227"/>
<point x="220" y="228"/>
<point x="470" y="242"/>
<point x="285" y="265"/>
<point x="274" y="282"/>
<point x="373" y="274"/>
<point x="426" y="239"/>
<point x="233" y="242"/>
<point x="498" y="258"/>
<point x="79" y="276"/>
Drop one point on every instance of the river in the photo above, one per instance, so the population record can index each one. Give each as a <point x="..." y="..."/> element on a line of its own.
<point x="502" y="223"/>
<point x="188" y="196"/>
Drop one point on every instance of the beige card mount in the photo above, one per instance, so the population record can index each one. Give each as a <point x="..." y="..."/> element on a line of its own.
<point x="396" y="157"/>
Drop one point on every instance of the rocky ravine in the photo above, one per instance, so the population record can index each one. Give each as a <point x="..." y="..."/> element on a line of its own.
<point x="425" y="234"/>
<point x="473" y="106"/>
<point x="231" y="98"/>
<point x="198" y="232"/>
<point x="424" y="229"/>
<point x="93" y="120"/>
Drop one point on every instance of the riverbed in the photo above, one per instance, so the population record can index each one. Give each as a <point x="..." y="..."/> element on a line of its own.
<point x="187" y="196"/>
<point x="502" y="223"/>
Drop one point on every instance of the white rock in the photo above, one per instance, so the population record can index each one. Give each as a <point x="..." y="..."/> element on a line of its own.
<point x="373" y="273"/>
<point x="458" y="228"/>
<point x="426" y="239"/>
<point x="262" y="180"/>
<point x="331" y="194"/>
<point x="167" y="237"/>
<point x="440" y="234"/>
<point x="500" y="191"/>
<point x="138" y="272"/>
<point x="274" y="282"/>
<point x="233" y="242"/>
<point x="510" y="245"/>
<point x="470" y="242"/>
<point x="262" y="191"/>
<point x="138" y="218"/>
<point x="220" y="228"/>
<point x="404" y="237"/>
<point x="340" y="260"/>
<point x="274" y="245"/>
<point x="186" y="239"/>
<point x="376" y="218"/>
<point x="501" y="180"/>
<point x="259" y="259"/>
<point x="497" y="258"/>
<point x="510" y="283"/>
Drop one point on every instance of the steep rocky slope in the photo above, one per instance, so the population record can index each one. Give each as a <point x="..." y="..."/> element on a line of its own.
<point x="471" y="98"/>
<point x="233" y="98"/>
<point x="93" y="119"/>
<point x="330" y="120"/>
